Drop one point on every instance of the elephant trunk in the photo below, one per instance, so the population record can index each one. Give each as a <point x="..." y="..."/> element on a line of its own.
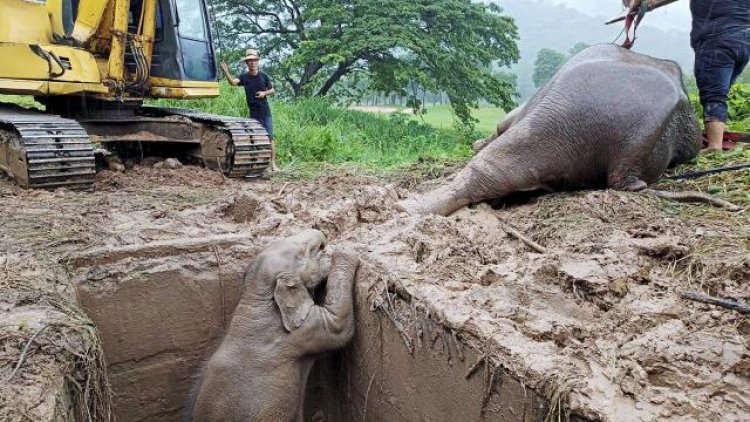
<point x="339" y="300"/>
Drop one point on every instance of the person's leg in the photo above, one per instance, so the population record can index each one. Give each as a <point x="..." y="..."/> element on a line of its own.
<point x="268" y="124"/>
<point x="742" y="54"/>
<point x="714" y="69"/>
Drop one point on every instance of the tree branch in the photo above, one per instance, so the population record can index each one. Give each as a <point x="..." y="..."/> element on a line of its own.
<point x="342" y="69"/>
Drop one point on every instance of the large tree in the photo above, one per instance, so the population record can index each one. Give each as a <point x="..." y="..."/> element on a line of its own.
<point x="441" y="45"/>
<point x="548" y="62"/>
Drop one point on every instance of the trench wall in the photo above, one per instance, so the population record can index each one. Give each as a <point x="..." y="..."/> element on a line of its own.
<point x="161" y="309"/>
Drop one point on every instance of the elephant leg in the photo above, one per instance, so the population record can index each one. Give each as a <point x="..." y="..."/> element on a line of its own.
<point x="482" y="143"/>
<point x="331" y="325"/>
<point x="441" y="201"/>
<point x="502" y="168"/>
<point x="307" y="363"/>
<point x="644" y="158"/>
<point x="502" y="127"/>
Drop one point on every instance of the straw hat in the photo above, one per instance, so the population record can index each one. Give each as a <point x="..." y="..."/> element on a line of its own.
<point x="251" y="53"/>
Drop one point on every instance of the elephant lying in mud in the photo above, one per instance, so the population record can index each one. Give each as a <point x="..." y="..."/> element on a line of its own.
<point x="260" y="369"/>
<point x="609" y="118"/>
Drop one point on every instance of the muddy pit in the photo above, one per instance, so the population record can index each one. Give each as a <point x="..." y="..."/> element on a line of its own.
<point x="455" y="320"/>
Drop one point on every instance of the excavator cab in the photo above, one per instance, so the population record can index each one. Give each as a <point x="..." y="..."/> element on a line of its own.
<point x="183" y="49"/>
<point x="93" y="64"/>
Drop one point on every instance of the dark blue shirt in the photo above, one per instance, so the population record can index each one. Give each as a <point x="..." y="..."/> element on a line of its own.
<point x="716" y="18"/>
<point x="253" y="83"/>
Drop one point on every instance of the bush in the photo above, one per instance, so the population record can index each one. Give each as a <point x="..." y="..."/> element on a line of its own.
<point x="315" y="131"/>
<point x="739" y="108"/>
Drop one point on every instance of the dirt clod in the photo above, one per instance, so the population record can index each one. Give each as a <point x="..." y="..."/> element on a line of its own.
<point x="243" y="208"/>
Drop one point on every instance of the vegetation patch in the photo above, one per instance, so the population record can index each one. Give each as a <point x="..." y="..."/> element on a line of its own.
<point x="313" y="132"/>
<point x="733" y="186"/>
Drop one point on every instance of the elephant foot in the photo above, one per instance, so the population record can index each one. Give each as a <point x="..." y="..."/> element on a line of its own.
<point x="628" y="183"/>
<point x="635" y="185"/>
<point x="442" y="201"/>
<point x="409" y="206"/>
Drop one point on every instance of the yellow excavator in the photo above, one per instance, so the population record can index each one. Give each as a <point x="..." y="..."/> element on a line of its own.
<point x="91" y="64"/>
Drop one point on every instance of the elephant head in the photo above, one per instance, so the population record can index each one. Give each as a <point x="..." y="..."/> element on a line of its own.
<point x="260" y="369"/>
<point x="289" y="270"/>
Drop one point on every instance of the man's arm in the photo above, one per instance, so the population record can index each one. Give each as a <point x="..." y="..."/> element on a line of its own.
<point x="231" y="79"/>
<point x="269" y="92"/>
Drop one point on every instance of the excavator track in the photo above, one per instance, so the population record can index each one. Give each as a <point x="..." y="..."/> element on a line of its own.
<point x="45" y="151"/>
<point x="249" y="150"/>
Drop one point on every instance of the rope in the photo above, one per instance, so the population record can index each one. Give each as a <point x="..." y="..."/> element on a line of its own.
<point x="697" y="174"/>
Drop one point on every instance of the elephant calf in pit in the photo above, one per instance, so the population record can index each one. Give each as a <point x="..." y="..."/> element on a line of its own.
<point x="260" y="370"/>
<point x="609" y="118"/>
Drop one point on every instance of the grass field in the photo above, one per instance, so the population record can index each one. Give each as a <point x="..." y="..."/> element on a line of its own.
<point x="441" y="117"/>
<point x="313" y="133"/>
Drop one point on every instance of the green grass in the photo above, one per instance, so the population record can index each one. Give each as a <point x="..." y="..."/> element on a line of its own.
<point x="441" y="117"/>
<point x="22" y="100"/>
<point x="733" y="186"/>
<point x="313" y="133"/>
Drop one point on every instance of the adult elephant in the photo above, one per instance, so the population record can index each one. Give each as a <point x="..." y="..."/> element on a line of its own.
<point x="609" y="118"/>
<point x="260" y="370"/>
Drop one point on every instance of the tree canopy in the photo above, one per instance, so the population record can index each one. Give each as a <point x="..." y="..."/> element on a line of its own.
<point x="580" y="46"/>
<point x="442" y="45"/>
<point x="548" y="62"/>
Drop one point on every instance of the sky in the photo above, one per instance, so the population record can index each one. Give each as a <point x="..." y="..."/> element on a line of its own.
<point x="672" y="16"/>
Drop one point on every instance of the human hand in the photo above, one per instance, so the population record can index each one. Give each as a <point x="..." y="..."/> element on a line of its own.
<point x="261" y="94"/>
<point x="224" y="66"/>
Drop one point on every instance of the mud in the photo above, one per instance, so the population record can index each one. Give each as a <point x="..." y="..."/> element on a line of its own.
<point x="594" y="328"/>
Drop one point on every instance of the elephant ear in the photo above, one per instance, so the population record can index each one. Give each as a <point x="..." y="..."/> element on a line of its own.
<point x="293" y="300"/>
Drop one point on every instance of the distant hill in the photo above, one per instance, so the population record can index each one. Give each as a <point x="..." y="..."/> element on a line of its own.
<point x="545" y="25"/>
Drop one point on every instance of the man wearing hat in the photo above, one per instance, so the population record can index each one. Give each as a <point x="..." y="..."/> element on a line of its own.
<point x="258" y="88"/>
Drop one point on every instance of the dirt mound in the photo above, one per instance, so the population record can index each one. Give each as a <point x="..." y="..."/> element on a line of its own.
<point x="595" y="323"/>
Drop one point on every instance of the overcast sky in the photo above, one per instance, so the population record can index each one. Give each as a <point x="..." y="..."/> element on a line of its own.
<point x="672" y="16"/>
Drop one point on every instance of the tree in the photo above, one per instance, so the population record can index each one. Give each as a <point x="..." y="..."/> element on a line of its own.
<point x="578" y="48"/>
<point x="548" y="62"/>
<point x="441" y="45"/>
<point x="509" y="78"/>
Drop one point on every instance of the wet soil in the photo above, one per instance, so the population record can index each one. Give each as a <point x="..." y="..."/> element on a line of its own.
<point x="595" y="323"/>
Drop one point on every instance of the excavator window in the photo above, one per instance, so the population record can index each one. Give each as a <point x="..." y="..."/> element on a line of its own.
<point x="197" y="54"/>
<point x="183" y="49"/>
<point x="192" y="19"/>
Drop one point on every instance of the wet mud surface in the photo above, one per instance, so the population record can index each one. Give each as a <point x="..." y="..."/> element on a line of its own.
<point x="595" y="323"/>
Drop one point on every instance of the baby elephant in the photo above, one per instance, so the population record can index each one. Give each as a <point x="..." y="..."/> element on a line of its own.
<point x="260" y="370"/>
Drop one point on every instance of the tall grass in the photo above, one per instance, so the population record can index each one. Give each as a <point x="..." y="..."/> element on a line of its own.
<point x="313" y="131"/>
